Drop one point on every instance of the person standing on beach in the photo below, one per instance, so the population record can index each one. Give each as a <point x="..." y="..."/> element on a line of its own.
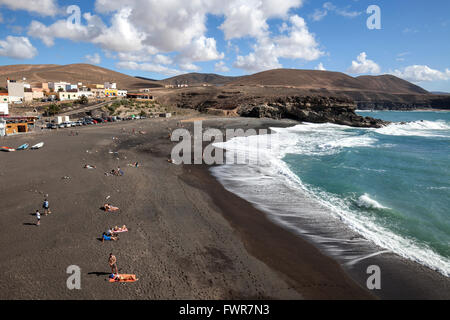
<point x="46" y="206"/>
<point x="113" y="263"/>
<point x="38" y="216"/>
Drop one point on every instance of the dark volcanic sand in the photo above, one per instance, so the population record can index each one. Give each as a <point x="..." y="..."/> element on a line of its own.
<point x="188" y="239"/>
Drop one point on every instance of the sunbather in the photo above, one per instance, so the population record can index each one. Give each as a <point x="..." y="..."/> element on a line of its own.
<point x="122" y="277"/>
<point x="109" y="238"/>
<point x="88" y="166"/>
<point x="109" y="208"/>
<point x="123" y="229"/>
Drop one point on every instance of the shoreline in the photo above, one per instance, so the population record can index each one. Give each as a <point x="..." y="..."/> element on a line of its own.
<point x="405" y="279"/>
<point x="190" y="238"/>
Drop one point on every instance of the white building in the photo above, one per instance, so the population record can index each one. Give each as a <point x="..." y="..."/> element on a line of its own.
<point x="110" y="85"/>
<point x="64" y="96"/>
<point x="16" y="91"/>
<point x="4" y="111"/>
<point x="58" y="86"/>
<point x="122" y="93"/>
<point x="71" y="87"/>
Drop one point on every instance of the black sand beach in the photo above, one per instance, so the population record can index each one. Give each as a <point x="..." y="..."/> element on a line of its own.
<point x="189" y="238"/>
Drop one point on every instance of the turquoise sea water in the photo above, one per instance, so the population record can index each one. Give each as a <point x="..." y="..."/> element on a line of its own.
<point x="392" y="185"/>
<point x="400" y="179"/>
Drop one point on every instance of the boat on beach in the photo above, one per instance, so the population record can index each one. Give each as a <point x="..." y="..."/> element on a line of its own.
<point x="23" y="147"/>
<point x="7" y="149"/>
<point x="37" y="146"/>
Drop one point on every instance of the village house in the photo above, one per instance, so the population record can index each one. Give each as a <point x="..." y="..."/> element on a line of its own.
<point x="110" y="85"/>
<point x="4" y="111"/>
<point x="111" y="92"/>
<point x="58" y="86"/>
<point x="16" y="91"/>
<point x="140" y="96"/>
<point x="74" y="95"/>
<point x="122" y="93"/>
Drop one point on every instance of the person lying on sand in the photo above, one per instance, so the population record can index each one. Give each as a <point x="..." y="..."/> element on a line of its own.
<point x="109" y="208"/>
<point x="88" y="166"/>
<point x="110" y="232"/>
<point x="122" y="277"/>
<point x="117" y="172"/>
<point x="136" y="165"/>
<point x="123" y="229"/>
<point x="109" y="238"/>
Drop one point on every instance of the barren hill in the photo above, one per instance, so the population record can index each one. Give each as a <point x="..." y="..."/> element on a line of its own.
<point x="85" y="73"/>
<point x="331" y="81"/>
<point x="199" y="78"/>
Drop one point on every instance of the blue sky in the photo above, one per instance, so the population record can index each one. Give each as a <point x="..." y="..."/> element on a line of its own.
<point x="158" y="39"/>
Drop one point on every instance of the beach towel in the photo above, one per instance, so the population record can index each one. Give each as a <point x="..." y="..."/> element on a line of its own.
<point x="125" y="278"/>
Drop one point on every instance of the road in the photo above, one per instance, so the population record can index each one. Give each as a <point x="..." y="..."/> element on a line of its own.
<point x="85" y="109"/>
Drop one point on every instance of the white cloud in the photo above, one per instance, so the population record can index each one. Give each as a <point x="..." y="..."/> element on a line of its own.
<point x="221" y="67"/>
<point x="122" y="35"/>
<point x="17" y="48"/>
<point x="319" y="15"/>
<point x="149" y="67"/>
<point x="140" y="30"/>
<point x="43" y="7"/>
<point x="201" y="49"/>
<point x="162" y="59"/>
<point x="93" y="59"/>
<point x="299" y="43"/>
<point x="320" y="67"/>
<point x="62" y="29"/>
<point x="189" y="67"/>
<point x="364" y="65"/>
<point x="422" y="73"/>
<point x="327" y="7"/>
<point x="1" y="18"/>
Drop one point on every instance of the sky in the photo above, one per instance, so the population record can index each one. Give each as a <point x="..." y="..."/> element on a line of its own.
<point x="159" y="39"/>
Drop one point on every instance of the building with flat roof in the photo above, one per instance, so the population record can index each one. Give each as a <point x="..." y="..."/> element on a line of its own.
<point x="4" y="110"/>
<point x="140" y="96"/>
<point x="16" y="90"/>
<point x="110" y="85"/>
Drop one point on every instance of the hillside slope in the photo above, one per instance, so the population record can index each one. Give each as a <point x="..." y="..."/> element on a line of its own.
<point x="199" y="78"/>
<point x="85" y="73"/>
<point x="332" y="81"/>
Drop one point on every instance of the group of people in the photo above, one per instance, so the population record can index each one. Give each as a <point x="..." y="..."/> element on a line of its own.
<point x="115" y="172"/>
<point x="112" y="234"/>
<point x="46" y="209"/>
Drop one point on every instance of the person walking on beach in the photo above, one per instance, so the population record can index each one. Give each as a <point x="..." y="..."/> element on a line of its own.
<point x="46" y="207"/>
<point x="38" y="217"/>
<point x="113" y="263"/>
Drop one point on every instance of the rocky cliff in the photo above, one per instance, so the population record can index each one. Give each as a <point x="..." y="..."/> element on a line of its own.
<point x="277" y="105"/>
<point x="312" y="109"/>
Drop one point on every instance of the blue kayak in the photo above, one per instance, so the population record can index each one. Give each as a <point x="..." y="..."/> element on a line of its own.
<point x="23" y="147"/>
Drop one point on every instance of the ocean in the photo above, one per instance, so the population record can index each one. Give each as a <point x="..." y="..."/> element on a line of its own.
<point x="355" y="192"/>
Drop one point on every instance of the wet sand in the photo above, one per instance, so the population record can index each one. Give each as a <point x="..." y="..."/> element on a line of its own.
<point x="189" y="238"/>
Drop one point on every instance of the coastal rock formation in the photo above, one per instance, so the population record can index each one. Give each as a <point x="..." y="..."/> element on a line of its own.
<point x="271" y="103"/>
<point x="312" y="109"/>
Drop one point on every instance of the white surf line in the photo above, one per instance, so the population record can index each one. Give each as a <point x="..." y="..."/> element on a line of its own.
<point x="354" y="261"/>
